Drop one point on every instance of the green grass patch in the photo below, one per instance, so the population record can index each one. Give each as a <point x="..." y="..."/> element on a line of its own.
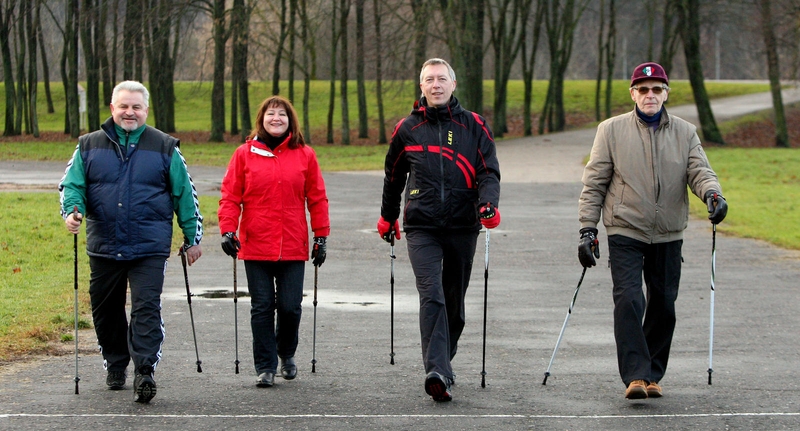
<point x="762" y="188"/>
<point x="36" y="272"/>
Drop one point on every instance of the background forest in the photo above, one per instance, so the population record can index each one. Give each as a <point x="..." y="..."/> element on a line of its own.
<point x="377" y="46"/>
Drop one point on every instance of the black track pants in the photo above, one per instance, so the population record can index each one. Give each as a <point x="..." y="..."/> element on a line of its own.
<point x="643" y="325"/>
<point x="442" y="263"/>
<point x="119" y="342"/>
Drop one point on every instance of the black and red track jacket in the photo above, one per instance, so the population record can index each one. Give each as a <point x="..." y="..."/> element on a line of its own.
<point x="445" y="159"/>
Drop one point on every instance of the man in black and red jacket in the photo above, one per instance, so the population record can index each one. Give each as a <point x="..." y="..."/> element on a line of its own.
<point x="444" y="157"/>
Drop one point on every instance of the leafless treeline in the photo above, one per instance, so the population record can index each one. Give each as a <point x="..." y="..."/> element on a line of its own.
<point x="160" y="41"/>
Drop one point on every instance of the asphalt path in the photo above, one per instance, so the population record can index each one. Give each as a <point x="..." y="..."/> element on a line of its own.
<point x="532" y="275"/>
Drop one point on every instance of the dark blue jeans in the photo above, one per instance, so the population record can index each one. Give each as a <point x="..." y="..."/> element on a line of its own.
<point x="274" y="286"/>
<point x="442" y="263"/>
<point x="643" y="325"/>
<point x="108" y="287"/>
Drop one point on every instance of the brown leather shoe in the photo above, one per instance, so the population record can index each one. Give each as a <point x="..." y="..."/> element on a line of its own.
<point x="637" y="390"/>
<point x="654" y="390"/>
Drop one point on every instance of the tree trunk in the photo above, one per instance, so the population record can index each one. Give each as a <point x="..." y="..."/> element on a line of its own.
<point x="332" y="90"/>
<point x="506" y="34"/>
<point x="71" y="86"/>
<point x="220" y="34"/>
<point x="308" y="45"/>
<point x="611" y="54"/>
<point x="276" y="65"/>
<point x="102" y="53"/>
<point x="464" y="33"/>
<point x="600" y="55"/>
<point x="376" y="7"/>
<point x="690" y="34"/>
<point x="292" y="39"/>
<point x="363" y="125"/>
<point x="88" y="30"/>
<point x="528" y="64"/>
<point x="773" y="68"/>
<point x="45" y="65"/>
<point x="345" y="7"/>
<point x="560" y="36"/>
<point x="132" y="40"/>
<point x="422" y="14"/>
<point x="6" y="15"/>
<point x="32" y="27"/>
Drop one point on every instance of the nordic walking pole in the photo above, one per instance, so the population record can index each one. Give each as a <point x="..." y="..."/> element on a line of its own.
<point x="713" y="274"/>
<point x="314" y="342"/>
<point x="564" y="326"/>
<point x="191" y="315"/>
<point x="485" y="297"/>
<point x="391" y="283"/>
<point x="235" y="317"/>
<point x="75" y="254"/>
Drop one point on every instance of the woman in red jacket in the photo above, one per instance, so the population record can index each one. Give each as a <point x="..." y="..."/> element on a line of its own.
<point x="270" y="180"/>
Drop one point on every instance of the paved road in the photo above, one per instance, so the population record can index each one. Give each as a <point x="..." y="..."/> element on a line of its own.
<point x="532" y="276"/>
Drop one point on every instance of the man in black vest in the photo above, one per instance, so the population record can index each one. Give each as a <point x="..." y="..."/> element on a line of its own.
<point x="128" y="179"/>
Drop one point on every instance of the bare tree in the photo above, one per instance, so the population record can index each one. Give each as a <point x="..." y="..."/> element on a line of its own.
<point x="88" y="31"/>
<point x="376" y="8"/>
<point x="506" y="21"/>
<point x="220" y="33"/>
<point x="363" y="125"/>
<point x="529" y="62"/>
<point x="689" y="16"/>
<point x="422" y="12"/>
<point x="45" y="65"/>
<point x="332" y="91"/>
<point x="6" y="27"/>
<point x="70" y="67"/>
<point x="774" y="72"/>
<point x="31" y="27"/>
<point x="162" y="44"/>
<point x="600" y="55"/>
<point x="345" y="12"/>
<point x="292" y="43"/>
<point x="132" y="40"/>
<point x="240" y="99"/>
<point x="670" y="36"/>
<point x="560" y="22"/>
<point x="464" y="21"/>
<point x="610" y="50"/>
<point x="276" y="66"/>
<point x="309" y="65"/>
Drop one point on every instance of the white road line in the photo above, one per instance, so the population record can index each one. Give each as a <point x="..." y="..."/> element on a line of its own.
<point x="389" y="416"/>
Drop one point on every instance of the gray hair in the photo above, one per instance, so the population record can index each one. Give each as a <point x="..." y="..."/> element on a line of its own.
<point x="132" y="86"/>
<point x="432" y="61"/>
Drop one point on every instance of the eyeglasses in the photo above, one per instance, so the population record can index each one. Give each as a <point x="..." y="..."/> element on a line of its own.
<point x="656" y="90"/>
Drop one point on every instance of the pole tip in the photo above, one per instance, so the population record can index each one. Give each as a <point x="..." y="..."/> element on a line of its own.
<point x="546" y="375"/>
<point x="199" y="369"/>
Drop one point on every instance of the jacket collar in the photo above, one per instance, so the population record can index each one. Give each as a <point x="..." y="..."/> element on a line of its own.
<point x="435" y="115"/>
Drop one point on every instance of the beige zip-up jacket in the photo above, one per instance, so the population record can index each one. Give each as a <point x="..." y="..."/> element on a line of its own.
<point x="639" y="177"/>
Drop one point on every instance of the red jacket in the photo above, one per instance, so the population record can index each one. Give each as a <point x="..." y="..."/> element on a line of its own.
<point x="269" y="190"/>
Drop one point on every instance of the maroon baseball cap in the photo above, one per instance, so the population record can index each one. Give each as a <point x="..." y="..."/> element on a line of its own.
<point x="649" y="70"/>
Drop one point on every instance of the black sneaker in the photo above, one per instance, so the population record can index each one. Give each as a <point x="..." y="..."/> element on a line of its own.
<point x="438" y="387"/>
<point x="115" y="380"/>
<point x="144" y="385"/>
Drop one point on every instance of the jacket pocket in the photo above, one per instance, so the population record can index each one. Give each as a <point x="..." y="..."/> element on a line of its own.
<point x="421" y="207"/>
<point x="463" y="207"/>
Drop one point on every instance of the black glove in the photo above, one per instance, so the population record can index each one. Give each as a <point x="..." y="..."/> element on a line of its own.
<point x="717" y="207"/>
<point x="320" y="250"/>
<point x="588" y="247"/>
<point x="230" y="244"/>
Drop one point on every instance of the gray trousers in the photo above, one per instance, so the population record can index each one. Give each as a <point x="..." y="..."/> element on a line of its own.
<point x="442" y="263"/>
